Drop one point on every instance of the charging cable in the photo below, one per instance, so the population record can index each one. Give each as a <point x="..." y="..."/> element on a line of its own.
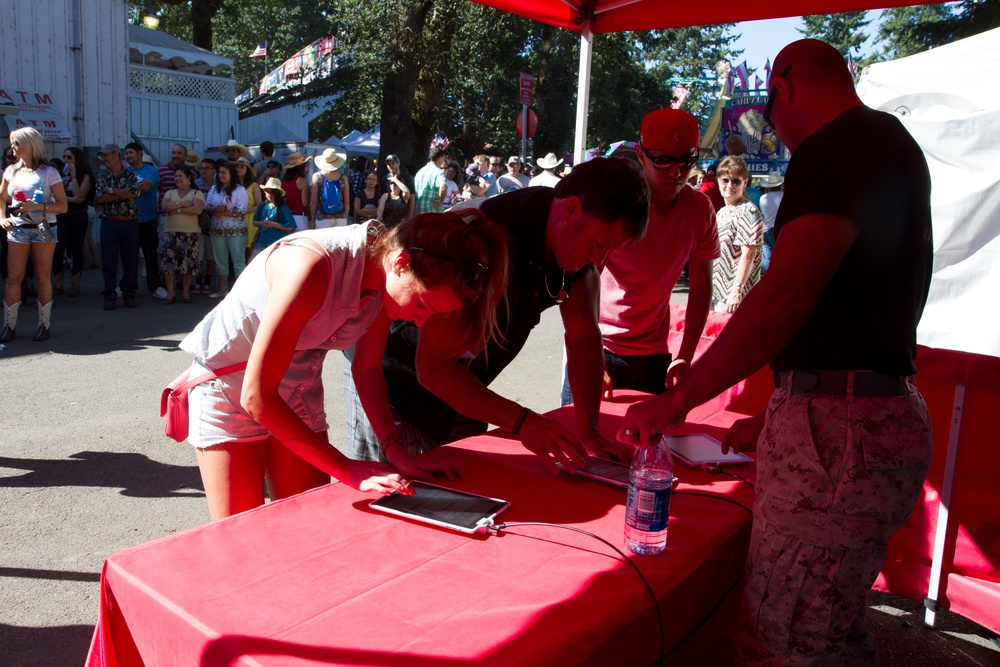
<point x="497" y="528"/>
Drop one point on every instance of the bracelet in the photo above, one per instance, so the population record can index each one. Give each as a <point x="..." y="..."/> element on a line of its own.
<point x="519" y="422"/>
<point x="391" y="440"/>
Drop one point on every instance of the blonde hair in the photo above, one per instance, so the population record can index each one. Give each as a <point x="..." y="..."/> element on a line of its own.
<point x="452" y="244"/>
<point x="32" y="140"/>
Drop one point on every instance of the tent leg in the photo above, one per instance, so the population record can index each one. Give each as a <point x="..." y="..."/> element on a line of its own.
<point x="583" y="93"/>
<point x="937" y="561"/>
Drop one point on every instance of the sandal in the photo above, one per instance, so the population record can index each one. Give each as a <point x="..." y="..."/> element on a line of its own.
<point x="169" y="300"/>
<point x="186" y="300"/>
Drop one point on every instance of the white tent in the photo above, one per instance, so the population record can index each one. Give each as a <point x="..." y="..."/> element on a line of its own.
<point x="949" y="101"/>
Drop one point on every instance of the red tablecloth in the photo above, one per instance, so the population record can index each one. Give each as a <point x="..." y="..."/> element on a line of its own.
<point x="321" y="578"/>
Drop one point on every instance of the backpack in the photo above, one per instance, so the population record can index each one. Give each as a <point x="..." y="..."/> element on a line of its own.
<point x="332" y="202"/>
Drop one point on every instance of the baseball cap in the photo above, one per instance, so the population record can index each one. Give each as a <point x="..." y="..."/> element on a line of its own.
<point x="513" y="159"/>
<point x="109" y="148"/>
<point x="392" y="158"/>
<point x="669" y="130"/>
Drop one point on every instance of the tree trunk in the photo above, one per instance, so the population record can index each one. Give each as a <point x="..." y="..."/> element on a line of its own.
<point x="398" y="91"/>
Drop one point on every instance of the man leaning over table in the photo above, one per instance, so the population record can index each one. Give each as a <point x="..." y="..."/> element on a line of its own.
<point x="845" y="444"/>
<point x="637" y="280"/>
<point x="557" y="236"/>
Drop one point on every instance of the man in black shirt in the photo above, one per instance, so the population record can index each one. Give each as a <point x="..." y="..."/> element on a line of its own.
<point x="557" y="236"/>
<point x="846" y="443"/>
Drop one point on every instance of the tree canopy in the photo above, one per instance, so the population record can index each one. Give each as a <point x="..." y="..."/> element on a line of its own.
<point x="423" y="66"/>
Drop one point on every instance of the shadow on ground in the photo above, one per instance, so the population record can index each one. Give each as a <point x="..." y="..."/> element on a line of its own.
<point x="44" y="647"/>
<point x="137" y="475"/>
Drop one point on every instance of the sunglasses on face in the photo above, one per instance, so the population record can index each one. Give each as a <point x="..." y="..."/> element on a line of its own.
<point x="667" y="161"/>
<point x="473" y="273"/>
<point x="736" y="182"/>
<point x="770" y="99"/>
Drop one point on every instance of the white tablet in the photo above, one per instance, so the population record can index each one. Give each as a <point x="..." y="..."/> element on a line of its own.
<point x="700" y="451"/>
<point x="604" y="470"/>
<point x="439" y="506"/>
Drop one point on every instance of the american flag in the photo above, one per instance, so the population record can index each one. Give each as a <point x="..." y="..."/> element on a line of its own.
<point x="852" y="66"/>
<point x="260" y="51"/>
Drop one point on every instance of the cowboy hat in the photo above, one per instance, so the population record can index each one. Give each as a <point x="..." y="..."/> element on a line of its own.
<point x="192" y="159"/>
<point x="774" y="179"/>
<point x="244" y="161"/>
<point x="549" y="161"/>
<point x="294" y="160"/>
<point x="232" y="143"/>
<point x="331" y="160"/>
<point x="273" y="184"/>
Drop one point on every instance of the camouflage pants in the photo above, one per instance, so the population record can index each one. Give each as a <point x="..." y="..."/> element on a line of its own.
<point x="836" y="476"/>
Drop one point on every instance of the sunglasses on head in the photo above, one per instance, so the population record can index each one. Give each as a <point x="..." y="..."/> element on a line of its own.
<point x="667" y="161"/>
<point x="473" y="273"/>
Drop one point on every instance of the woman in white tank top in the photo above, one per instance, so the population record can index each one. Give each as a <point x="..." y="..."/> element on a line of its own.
<point x="326" y="290"/>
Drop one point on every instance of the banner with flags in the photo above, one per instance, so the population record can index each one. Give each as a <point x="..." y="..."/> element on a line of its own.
<point x="744" y="75"/>
<point x="260" y="51"/>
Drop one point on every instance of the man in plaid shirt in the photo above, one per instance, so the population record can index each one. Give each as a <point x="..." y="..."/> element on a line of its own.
<point x="429" y="184"/>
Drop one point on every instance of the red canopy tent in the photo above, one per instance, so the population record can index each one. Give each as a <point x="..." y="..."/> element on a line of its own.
<point x="590" y="17"/>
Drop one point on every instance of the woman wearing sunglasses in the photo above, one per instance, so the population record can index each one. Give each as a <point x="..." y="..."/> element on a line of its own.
<point x="325" y="290"/>
<point x="741" y="235"/>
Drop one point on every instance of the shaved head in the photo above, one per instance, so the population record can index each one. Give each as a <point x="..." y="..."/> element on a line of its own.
<point x="815" y="64"/>
<point x="810" y="86"/>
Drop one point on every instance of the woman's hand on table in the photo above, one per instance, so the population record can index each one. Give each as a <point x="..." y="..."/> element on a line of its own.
<point x="742" y="435"/>
<point x="371" y="476"/>
<point x="645" y="422"/>
<point x="553" y="442"/>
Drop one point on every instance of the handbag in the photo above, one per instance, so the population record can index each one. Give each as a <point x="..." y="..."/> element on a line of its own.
<point x="174" y="399"/>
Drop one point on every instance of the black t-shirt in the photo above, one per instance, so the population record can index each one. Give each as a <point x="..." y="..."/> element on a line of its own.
<point x="866" y="319"/>
<point x="524" y="214"/>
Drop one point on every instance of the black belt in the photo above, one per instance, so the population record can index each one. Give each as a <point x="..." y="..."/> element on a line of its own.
<point x="866" y="383"/>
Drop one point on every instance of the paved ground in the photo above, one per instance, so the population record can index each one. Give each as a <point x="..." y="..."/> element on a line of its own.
<point x="85" y="471"/>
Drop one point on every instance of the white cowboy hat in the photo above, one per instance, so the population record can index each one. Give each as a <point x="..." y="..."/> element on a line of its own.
<point x="331" y="160"/>
<point x="550" y="161"/>
<point x="273" y="184"/>
<point x="774" y="179"/>
<point x="232" y="143"/>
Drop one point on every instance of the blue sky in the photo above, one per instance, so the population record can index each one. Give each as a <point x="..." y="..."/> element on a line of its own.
<point x="761" y="40"/>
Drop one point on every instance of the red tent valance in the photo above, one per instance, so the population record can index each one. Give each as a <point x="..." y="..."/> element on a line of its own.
<point x="621" y="15"/>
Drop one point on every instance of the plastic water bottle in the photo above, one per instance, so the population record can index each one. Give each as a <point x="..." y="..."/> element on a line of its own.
<point x="38" y="196"/>
<point x="651" y="480"/>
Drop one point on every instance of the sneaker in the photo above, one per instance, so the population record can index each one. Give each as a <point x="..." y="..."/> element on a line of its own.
<point x="130" y="301"/>
<point x="195" y="289"/>
<point x="118" y="291"/>
<point x="160" y="293"/>
<point x="109" y="304"/>
<point x="217" y="295"/>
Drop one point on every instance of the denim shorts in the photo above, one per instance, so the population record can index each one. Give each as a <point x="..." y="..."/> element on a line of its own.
<point x="214" y="419"/>
<point x="28" y="235"/>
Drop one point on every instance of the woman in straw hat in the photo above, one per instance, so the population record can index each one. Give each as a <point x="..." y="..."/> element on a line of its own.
<point x="247" y="177"/>
<point x="330" y="194"/>
<point x="273" y="219"/>
<point x="324" y="290"/>
<point x="296" y="187"/>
